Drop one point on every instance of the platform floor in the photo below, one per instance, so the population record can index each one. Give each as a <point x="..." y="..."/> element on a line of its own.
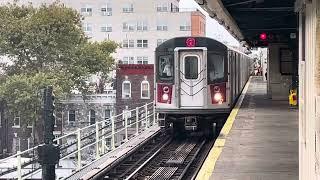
<point x="263" y="142"/>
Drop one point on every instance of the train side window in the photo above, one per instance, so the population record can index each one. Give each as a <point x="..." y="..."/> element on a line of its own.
<point x="165" y="70"/>
<point x="191" y="67"/>
<point x="215" y="67"/>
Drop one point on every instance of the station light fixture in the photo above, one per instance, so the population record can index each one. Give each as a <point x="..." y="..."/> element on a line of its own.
<point x="263" y="36"/>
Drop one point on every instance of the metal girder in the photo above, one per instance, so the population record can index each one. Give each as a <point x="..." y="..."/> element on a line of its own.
<point x="243" y="2"/>
<point x="269" y="9"/>
<point x="217" y="11"/>
<point x="247" y="18"/>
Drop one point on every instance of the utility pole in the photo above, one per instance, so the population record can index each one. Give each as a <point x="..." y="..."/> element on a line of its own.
<point x="49" y="153"/>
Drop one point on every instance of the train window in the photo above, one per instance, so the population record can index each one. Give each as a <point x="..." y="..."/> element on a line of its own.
<point x="165" y="70"/>
<point x="215" y="67"/>
<point x="191" y="67"/>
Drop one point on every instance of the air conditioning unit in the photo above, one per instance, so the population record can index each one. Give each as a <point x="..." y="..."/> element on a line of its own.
<point x="108" y="13"/>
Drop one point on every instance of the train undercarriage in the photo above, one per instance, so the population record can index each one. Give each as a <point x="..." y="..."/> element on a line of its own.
<point x="208" y="125"/>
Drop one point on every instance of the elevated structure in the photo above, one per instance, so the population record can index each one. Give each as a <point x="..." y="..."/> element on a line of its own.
<point x="260" y="23"/>
<point x="283" y="26"/>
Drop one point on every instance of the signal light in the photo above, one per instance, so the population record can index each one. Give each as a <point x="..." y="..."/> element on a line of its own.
<point x="263" y="36"/>
<point x="164" y="93"/>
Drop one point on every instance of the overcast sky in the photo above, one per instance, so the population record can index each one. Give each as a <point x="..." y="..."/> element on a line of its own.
<point x="214" y="29"/>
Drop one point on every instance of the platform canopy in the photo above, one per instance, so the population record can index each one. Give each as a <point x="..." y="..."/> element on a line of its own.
<point x="255" y="23"/>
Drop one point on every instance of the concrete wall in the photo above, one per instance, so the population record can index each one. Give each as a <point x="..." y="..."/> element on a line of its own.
<point x="278" y="84"/>
<point x="309" y="109"/>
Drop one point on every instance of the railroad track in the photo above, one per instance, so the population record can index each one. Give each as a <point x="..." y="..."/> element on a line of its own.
<point x="175" y="161"/>
<point x="133" y="161"/>
<point x="162" y="158"/>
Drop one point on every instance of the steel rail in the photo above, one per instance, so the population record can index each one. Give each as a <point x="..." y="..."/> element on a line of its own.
<point x="192" y="160"/>
<point x="148" y="160"/>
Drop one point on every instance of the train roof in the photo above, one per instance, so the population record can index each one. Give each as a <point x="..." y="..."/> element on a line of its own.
<point x="236" y="50"/>
<point x="199" y="42"/>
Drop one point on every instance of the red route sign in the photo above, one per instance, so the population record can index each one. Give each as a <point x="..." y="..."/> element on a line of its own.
<point x="191" y="42"/>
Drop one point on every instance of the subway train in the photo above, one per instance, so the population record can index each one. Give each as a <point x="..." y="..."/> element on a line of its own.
<point x="197" y="82"/>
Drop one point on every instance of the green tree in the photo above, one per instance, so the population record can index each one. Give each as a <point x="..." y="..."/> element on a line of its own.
<point x="46" y="45"/>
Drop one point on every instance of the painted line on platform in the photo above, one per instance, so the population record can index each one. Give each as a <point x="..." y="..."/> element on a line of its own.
<point x="208" y="166"/>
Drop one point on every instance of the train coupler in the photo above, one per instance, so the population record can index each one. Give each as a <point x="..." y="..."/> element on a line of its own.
<point x="191" y="123"/>
<point x="162" y="120"/>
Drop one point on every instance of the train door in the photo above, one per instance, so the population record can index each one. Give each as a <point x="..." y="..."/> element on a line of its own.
<point x="191" y="78"/>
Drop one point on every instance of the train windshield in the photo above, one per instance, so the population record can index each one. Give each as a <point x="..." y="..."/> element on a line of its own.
<point x="215" y="67"/>
<point x="165" y="67"/>
<point x="191" y="67"/>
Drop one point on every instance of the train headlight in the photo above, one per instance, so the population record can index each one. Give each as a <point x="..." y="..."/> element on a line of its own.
<point x="165" y="97"/>
<point x="218" y="97"/>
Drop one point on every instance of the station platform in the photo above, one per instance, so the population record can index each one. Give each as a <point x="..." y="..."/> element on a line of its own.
<point x="259" y="141"/>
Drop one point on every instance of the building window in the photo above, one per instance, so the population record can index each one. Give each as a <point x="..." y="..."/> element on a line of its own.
<point x="142" y="43"/>
<point x="128" y="43"/>
<point x="142" y="26"/>
<point x="126" y="89"/>
<point x="107" y="116"/>
<point x="142" y="59"/>
<point x="71" y="116"/>
<point x="128" y="26"/>
<point x="162" y="7"/>
<point x="186" y="27"/>
<point x="87" y="27"/>
<point x="128" y="60"/>
<point x="106" y="28"/>
<point x="106" y="10"/>
<point x="162" y="26"/>
<point x="174" y="8"/>
<point x="92" y="116"/>
<point x="86" y="11"/>
<point x="30" y="142"/>
<point x="160" y="41"/>
<point x="145" y="90"/>
<point x="29" y="123"/>
<point x="126" y="113"/>
<point x="127" y="8"/>
<point x="16" y="144"/>
<point x="16" y="120"/>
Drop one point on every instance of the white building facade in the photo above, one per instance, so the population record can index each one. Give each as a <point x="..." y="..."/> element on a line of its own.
<point x="139" y="26"/>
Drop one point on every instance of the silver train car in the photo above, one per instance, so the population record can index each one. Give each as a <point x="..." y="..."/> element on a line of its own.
<point x="198" y="80"/>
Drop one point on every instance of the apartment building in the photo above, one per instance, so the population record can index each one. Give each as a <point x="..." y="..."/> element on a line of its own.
<point x="139" y="26"/>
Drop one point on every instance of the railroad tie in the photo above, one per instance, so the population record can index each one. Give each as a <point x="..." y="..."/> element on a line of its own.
<point x="163" y="173"/>
<point x="181" y="153"/>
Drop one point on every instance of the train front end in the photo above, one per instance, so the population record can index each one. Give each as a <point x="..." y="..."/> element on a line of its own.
<point x="191" y="86"/>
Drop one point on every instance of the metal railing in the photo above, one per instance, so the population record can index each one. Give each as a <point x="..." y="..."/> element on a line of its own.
<point x="86" y="144"/>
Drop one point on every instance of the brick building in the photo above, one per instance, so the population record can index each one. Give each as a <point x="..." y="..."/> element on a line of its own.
<point x="134" y="86"/>
<point x="15" y="133"/>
